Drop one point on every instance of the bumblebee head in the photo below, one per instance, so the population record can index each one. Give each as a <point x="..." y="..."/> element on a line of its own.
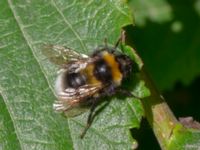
<point x="125" y="64"/>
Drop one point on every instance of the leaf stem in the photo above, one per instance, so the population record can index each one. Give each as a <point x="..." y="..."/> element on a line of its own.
<point x="158" y="113"/>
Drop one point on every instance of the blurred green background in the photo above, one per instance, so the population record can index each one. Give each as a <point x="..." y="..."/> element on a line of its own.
<point x="167" y="37"/>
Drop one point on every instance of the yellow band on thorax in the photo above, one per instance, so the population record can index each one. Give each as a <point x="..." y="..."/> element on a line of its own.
<point x="116" y="74"/>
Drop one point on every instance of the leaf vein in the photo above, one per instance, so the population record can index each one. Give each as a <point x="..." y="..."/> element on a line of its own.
<point x="15" y="128"/>
<point x="70" y="26"/>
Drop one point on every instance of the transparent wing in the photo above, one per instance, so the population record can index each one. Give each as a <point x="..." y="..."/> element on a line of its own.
<point x="70" y="101"/>
<point x="60" y="54"/>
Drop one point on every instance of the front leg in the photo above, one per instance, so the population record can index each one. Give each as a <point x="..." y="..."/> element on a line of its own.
<point x="126" y="93"/>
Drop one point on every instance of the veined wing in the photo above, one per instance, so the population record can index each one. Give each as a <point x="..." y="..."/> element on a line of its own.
<point x="71" y="100"/>
<point x="61" y="55"/>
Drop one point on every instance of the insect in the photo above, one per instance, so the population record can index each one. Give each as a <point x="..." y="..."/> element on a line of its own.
<point x="83" y="80"/>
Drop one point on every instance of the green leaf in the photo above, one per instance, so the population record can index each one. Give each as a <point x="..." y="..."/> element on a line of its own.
<point x="27" y="77"/>
<point x="187" y="139"/>
<point x="8" y="137"/>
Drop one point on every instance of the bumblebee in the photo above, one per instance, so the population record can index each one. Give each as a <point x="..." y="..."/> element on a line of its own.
<point x="83" y="80"/>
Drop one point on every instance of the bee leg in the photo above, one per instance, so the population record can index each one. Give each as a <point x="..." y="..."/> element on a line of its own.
<point x="127" y="93"/>
<point x="121" y="39"/>
<point x="92" y="115"/>
<point x="106" y="42"/>
<point x="90" y="119"/>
